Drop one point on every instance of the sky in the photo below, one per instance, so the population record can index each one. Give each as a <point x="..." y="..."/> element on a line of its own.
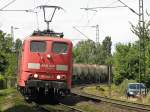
<point x="114" y="22"/>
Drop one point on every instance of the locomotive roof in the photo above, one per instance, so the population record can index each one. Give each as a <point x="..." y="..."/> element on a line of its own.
<point x="47" y="38"/>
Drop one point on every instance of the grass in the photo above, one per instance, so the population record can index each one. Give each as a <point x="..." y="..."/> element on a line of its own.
<point x="117" y="92"/>
<point x="103" y="90"/>
<point x="5" y="92"/>
<point x="146" y="100"/>
<point x="11" y="101"/>
<point x="99" y="107"/>
<point x="88" y="107"/>
<point x="5" y="96"/>
<point x="57" y="108"/>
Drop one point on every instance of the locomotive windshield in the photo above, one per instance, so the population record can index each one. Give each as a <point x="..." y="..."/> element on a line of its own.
<point x="59" y="47"/>
<point x="37" y="46"/>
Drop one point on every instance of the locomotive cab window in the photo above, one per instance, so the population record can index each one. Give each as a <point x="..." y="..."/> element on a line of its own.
<point x="59" y="47"/>
<point x="37" y="46"/>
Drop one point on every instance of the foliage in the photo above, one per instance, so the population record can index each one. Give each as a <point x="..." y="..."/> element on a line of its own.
<point x="3" y="48"/>
<point x="1" y="77"/>
<point x="106" y="45"/>
<point x="3" y="62"/>
<point x="84" y="52"/>
<point x="18" y="45"/>
<point x="126" y="58"/>
<point x="8" y="56"/>
<point x="125" y="62"/>
<point x="89" y="52"/>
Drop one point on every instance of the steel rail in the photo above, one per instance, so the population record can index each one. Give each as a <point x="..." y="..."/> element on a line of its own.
<point x="72" y="109"/>
<point x="83" y="86"/>
<point x="43" y="108"/>
<point x="131" y="105"/>
<point x="40" y="108"/>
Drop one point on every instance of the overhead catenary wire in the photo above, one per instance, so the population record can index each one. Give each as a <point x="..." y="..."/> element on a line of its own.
<point x="81" y="33"/>
<point x="7" y="4"/>
<point x="101" y="7"/>
<point x="112" y="3"/>
<point x="129" y="7"/>
<point x="2" y="1"/>
<point x="78" y="39"/>
<point x="95" y="8"/>
<point x="93" y="15"/>
<point x="107" y="6"/>
<point x="17" y="10"/>
<point x="36" y="15"/>
<point x="147" y="12"/>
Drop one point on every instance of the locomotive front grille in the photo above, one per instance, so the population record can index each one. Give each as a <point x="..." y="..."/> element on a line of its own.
<point x="49" y="84"/>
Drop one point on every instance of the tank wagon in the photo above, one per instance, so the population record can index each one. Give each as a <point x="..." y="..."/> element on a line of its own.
<point x="85" y="73"/>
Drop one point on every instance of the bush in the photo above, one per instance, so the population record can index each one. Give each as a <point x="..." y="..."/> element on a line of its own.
<point x="1" y="82"/>
<point x="1" y="77"/>
<point x="146" y="80"/>
<point x="117" y="79"/>
<point x="99" y="88"/>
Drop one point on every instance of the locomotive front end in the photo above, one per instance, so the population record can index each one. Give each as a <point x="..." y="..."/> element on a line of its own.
<point x="46" y="66"/>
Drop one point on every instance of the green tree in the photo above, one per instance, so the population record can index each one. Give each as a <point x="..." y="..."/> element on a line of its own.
<point x="13" y="57"/>
<point x="8" y="54"/>
<point x="99" y="54"/>
<point x="126" y="58"/>
<point x="3" y="63"/>
<point x="125" y="62"/>
<point x="89" y="52"/>
<point x="106" y="46"/>
<point x="3" y="49"/>
<point x="84" y="52"/>
<point x="18" y="45"/>
<point x="145" y="44"/>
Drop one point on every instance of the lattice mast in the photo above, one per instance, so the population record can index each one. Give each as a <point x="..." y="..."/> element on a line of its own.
<point x="141" y="40"/>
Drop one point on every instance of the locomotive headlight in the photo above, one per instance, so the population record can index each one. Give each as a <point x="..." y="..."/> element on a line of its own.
<point x="48" y="56"/>
<point x="35" y="75"/>
<point x="58" y="77"/>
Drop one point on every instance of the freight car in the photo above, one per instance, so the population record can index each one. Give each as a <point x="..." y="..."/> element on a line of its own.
<point x="85" y="73"/>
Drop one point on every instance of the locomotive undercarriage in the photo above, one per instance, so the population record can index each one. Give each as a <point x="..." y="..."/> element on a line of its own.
<point x="35" y="89"/>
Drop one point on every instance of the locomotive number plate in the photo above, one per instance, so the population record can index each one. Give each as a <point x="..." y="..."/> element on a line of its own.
<point x="34" y="65"/>
<point x="47" y="76"/>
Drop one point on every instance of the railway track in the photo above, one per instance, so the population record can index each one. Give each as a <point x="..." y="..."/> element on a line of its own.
<point x="48" y="108"/>
<point x="118" y="103"/>
<point x="72" y="109"/>
<point x="97" y="100"/>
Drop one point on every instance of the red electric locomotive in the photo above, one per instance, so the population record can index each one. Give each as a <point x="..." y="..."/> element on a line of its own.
<point x="45" y="65"/>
